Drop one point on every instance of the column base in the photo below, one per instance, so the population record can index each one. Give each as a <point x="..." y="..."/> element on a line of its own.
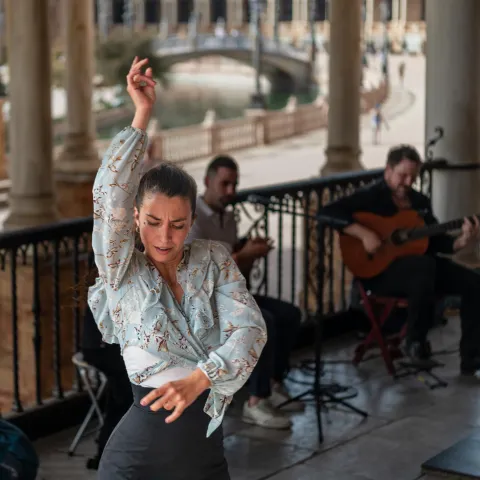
<point x="341" y="160"/>
<point x="78" y="161"/>
<point x="75" y="171"/>
<point x="30" y="211"/>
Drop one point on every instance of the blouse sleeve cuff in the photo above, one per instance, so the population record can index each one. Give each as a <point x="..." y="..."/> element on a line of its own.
<point x="210" y="369"/>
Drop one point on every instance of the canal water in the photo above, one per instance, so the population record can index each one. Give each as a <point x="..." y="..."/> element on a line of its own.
<point x="188" y="98"/>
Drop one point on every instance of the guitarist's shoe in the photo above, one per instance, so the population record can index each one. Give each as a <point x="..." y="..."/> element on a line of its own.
<point x="420" y="355"/>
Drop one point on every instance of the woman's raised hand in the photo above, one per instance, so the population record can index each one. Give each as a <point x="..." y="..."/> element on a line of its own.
<point x="141" y="86"/>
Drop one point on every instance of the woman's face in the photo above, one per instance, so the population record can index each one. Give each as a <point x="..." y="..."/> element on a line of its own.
<point x="164" y="223"/>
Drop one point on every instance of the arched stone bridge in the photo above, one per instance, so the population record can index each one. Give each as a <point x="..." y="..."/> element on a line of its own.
<point x="286" y="67"/>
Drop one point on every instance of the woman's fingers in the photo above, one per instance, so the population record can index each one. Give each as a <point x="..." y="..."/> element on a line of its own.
<point x="138" y="78"/>
<point x="154" y="394"/>
<point x="139" y="64"/>
<point x="179" y="408"/>
<point x="163" y="400"/>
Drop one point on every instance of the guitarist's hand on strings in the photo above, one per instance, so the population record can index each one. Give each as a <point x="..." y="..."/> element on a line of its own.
<point x="470" y="231"/>
<point x="371" y="241"/>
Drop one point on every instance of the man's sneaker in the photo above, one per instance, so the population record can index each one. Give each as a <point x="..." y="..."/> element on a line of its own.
<point x="264" y="415"/>
<point x="280" y="395"/>
<point x="420" y="355"/>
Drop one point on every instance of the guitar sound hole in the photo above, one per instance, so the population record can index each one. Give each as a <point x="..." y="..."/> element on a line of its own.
<point x="399" y="236"/>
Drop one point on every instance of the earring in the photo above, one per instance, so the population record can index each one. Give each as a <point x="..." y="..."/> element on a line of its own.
<point x="137" y="229"/>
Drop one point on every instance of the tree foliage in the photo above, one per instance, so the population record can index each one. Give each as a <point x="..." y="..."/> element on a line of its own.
<point x="115" y="55"/>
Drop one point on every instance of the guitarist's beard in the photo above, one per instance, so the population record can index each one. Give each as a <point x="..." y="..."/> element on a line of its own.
<point x="402" y="192"/>
<point x="401" y="196"/>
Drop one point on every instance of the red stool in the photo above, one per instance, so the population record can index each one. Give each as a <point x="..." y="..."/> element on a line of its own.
<point x="389" y="345"/>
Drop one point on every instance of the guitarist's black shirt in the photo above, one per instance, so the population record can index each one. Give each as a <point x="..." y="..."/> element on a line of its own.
<point x="377" y="198"/>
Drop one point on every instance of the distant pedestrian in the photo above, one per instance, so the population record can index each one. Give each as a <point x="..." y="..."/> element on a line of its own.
<point x="378" y="120"/>
<point x="401" y="72"/>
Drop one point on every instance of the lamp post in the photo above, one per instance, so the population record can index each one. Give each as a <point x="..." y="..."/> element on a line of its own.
<point x="257" y="8"/>
<point x="276" y="21"/>
<point x="312" y="13"/>
<point x="384" y="14"/>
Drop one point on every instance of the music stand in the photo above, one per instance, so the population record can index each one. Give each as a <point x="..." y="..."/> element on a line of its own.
<point x="322" y="394"/>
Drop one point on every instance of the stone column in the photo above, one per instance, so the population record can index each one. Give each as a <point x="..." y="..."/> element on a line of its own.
<point x="451" y="92"/>
<point x="31" y="196"/>
<point x="234" y="13"/>
<point x="139" y="9"/>
<point x="78" y="162"/>
<point x="170" y="13"/>
<point x="369" y="17"/>
<point x="452" y="103"/>
<point x="403" y="12"/>
<point x="202" y="7"/>
<point x="395" y="10"/>
<point x="343" y="149"/>
<point x="3" y="153"/>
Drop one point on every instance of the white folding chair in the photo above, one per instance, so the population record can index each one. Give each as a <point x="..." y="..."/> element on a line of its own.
<point x="86" y="372"/>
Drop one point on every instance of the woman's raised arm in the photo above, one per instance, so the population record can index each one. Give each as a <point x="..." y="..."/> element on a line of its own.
<point x="116" y="184"/>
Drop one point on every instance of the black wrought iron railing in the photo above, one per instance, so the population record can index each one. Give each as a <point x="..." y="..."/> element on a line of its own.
<point x="42" y="292"/>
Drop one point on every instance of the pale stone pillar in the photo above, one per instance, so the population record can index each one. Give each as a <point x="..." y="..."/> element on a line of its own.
<point x="105" y="17"/>
<point x="170" y="13"/>
<point x="451" y="102"/>
<point x="234" y="13"/>
<point x="403" y="12"/>
<point x="3" y="154"/>
<point x="369" y="17"/>
<point x="344" y="87"/>
<point x="395" y="10"/>
<point x="202" y="7"/>
<point x="139" y="9"/>
<point x="78" y="163"/>
<point x="297" y="10"/>
<point x="31" y="195"/>
<point x="272" y="17"/>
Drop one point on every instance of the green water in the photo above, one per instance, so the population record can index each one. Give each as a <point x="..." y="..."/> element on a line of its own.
<point x="181" y="106"/>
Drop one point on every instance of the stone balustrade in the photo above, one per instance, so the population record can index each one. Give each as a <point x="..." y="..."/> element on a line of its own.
<point x="211" y="137"/>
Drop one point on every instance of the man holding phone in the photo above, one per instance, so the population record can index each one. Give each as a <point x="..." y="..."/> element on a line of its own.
<point x="215" y="221"/>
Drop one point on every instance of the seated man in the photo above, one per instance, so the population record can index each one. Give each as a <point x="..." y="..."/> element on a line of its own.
<point x="418" y="278"/>
<point x="215" y="222"/>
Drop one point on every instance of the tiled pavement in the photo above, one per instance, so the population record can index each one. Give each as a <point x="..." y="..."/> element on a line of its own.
<point x="407" y="424"/>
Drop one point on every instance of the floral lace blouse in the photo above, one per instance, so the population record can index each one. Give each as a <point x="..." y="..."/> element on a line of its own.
<point x="217" y="327"/>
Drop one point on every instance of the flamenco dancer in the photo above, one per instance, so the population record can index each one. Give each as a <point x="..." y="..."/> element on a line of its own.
<point x="189" y="330"/>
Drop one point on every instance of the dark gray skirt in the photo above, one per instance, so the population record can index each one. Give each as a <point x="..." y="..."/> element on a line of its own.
<point x="144" y="447"/>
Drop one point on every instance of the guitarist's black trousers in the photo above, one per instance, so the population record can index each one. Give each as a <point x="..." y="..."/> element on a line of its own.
<point x="422" y="280"/>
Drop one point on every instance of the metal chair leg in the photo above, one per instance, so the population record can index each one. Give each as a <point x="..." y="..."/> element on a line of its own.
<point x="95" y="407"/>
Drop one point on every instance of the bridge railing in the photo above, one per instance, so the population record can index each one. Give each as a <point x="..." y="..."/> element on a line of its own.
<point x="187" y="143"/>
<point x="262" y="128"/>
<point x="176" y="44"/>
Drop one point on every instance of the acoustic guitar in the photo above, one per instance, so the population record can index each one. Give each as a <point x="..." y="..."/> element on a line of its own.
<point x="402" y="235"/>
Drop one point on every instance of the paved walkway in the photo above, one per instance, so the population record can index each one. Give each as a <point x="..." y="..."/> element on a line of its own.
<point x="407" y="425"/>
<point x="272" y="164"/>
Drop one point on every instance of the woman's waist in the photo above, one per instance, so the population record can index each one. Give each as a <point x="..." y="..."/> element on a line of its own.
<point x="139" y="392"/>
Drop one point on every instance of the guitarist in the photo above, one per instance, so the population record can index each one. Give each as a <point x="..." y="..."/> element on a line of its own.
<point x="418" y="278"/>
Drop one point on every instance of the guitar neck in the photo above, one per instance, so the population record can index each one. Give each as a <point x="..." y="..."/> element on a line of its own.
<point x="439" y="228"/>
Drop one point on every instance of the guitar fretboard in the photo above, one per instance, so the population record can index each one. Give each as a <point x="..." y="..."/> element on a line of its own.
<point x="431" y="230"/>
